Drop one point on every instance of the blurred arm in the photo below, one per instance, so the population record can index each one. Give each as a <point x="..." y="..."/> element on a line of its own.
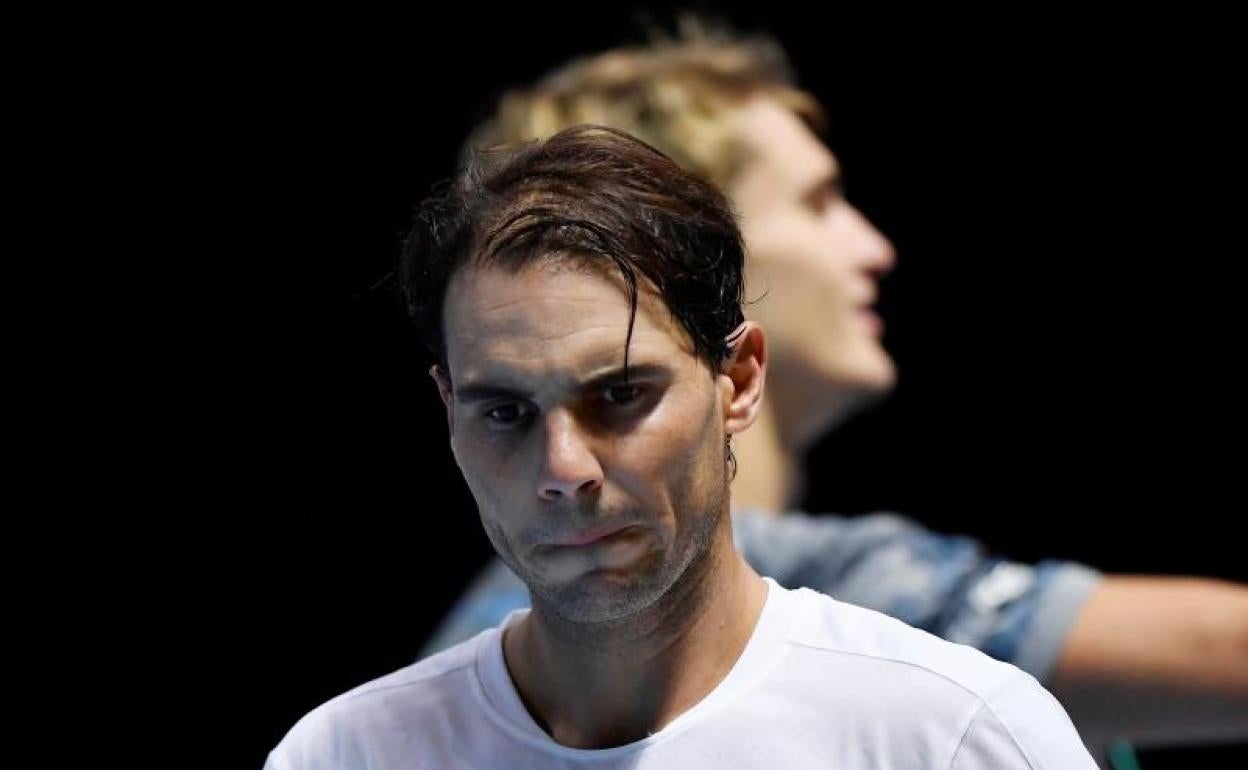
<point x="1158" y="660"/>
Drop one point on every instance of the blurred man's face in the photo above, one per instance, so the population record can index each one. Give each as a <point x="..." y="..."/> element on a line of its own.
<point x="813" y="255"/>
<point x="598" y="494"/>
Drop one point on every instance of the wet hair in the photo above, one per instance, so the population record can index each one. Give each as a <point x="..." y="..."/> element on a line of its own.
<point x="589" y="195"/>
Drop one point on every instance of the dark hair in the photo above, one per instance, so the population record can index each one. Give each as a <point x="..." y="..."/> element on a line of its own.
<point x="593" y="193"/>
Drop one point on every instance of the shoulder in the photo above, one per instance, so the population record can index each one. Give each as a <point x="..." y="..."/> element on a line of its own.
<point x="832" y="630"/>
<point x="922" y="682"/>
<point x="336" y="733"/>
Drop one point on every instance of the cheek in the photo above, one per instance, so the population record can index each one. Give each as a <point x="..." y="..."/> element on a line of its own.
<point x="494" y="532"/>
<point x="675" y="445"/>
<point x="800" y="305"/>
<point x="796" y="263"/>
<point x="489" y="470"/>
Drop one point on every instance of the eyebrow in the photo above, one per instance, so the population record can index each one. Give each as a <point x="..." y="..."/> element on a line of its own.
<point x="484" y="391"/>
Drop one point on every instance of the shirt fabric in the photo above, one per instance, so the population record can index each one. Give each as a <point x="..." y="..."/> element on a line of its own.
<point x="820" y="684"/>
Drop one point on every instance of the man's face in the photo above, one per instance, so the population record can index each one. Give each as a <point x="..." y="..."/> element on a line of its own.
<point x="598" y="494"/>
<point x="813" y="255"/>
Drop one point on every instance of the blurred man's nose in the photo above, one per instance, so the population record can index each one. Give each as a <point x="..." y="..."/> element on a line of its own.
<point x="874" y="250"/>
<point x="569" y="467"/>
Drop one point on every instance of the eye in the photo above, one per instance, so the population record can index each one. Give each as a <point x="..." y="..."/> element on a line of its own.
<point x="825" y="195"/>
<point x="507" y="415"/>
<point x="621" y="394"/>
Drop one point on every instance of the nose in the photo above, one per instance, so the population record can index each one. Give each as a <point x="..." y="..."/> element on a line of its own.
<point x="874" y="249"/>
<point x="569" y="466"/>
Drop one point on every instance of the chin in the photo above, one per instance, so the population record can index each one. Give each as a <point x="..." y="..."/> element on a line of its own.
<point x="880" y="379"/>
<point x="593" y="599"/>
<point x="869" y="373"/>
<point x="858" y="383"/>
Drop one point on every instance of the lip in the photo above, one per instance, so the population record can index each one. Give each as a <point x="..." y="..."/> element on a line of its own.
<point x="873" y="321"/>
<point x="590" y="536"/>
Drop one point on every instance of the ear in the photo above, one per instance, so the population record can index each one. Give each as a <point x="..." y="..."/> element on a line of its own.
<point x="742" y="376"/>
<point x="443" y="380"/>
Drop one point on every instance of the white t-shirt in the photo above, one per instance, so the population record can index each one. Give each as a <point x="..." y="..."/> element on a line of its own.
<point x="820" y="684"/>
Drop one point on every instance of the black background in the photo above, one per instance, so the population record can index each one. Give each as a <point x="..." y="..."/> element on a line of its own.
<point x="1063" y="192"/>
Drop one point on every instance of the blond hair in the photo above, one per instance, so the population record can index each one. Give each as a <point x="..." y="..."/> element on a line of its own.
<point x="677" y="94"/>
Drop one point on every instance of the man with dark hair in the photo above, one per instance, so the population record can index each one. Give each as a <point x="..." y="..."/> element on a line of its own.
<point x="583" y="300"/>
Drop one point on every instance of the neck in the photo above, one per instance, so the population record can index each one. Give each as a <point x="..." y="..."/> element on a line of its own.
<point x="608" y="684"/>
<point x="769" y="467"/>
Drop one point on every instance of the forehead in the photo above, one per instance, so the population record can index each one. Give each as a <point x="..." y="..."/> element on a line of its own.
<point x="553" y="320"/>
<point x="782" y="150"/>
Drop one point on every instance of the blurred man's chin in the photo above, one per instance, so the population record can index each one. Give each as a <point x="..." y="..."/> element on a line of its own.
<point x="871" y="373"/>
<point x="884" y="377"/>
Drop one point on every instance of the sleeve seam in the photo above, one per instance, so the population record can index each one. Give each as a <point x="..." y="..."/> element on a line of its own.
<point x="986" y="706"/>
<point x="965" y="732"/>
